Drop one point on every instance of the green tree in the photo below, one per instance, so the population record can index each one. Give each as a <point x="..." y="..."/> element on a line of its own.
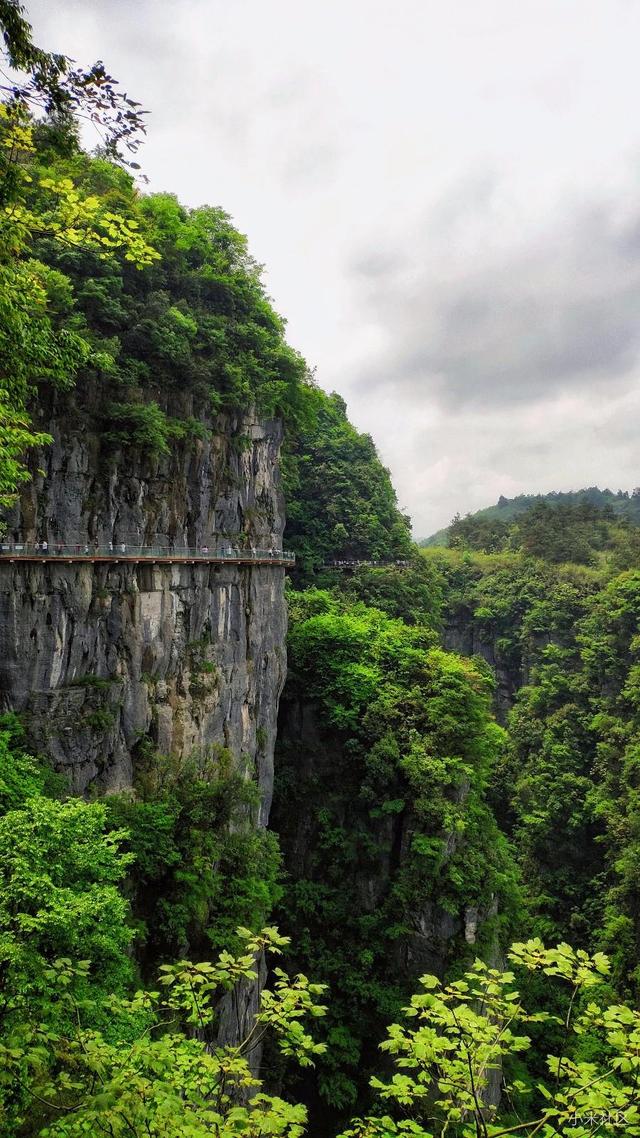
<point x="478" y="532"/>
<point x="167" y="1077"/>
<point x="47" y="82"/>
<point x="60" y="872"/>
<point x="201" y="865"/>
<point x="461" y="1036"/>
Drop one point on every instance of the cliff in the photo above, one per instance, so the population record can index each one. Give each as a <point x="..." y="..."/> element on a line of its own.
<point x="97" y="658"/>
<point x="395" y="865"/>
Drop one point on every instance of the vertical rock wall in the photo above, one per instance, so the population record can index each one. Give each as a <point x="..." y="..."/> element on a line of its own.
<point x="97" y="657"/>
<point x="464" y="635"/>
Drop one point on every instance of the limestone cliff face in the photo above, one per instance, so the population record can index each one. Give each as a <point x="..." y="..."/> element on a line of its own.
<point x="461" y="633"/>
<point x="97" y="657"/>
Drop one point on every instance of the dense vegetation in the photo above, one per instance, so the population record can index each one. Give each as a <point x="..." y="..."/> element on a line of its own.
<point x="83" y="1052"/>
<point x="174" y="343"/>
<point x="551" y="609"/>
<point x="387" y="747"/>
<point x="202" y="867"/>
<point x="537" y="612"/>
<point x="157" y="311"/>
<point x="341" y="504"/>
<point x="563" y="640"/>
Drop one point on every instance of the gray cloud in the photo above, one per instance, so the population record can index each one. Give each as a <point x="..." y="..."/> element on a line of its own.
<point x="378" y="266"/>
<point x="556" y="313"/>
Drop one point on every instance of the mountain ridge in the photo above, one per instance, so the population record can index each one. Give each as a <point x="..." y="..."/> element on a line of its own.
<point x="624" y="504"/>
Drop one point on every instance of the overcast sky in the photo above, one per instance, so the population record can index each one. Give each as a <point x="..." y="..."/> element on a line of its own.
<point x="445" y="196"/>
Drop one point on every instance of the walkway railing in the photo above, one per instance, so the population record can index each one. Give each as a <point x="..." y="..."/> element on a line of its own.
<point x="121" y="551"/>
<point x="370" y="564"/>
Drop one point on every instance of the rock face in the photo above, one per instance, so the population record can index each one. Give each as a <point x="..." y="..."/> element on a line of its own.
<point x="462" y="634"/>
<point x="98" y="657"/>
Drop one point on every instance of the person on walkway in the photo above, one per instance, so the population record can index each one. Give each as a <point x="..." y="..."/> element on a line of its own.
<point x="110" y="547"/>
<point x="86" y="549"/>
<point x="123" y="548"/>
<point x="45" y="547"/>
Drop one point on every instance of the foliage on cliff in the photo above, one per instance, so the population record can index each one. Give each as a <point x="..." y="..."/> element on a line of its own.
<point x="202" y="866"/>
<point x="392" y="772"/>
<point x="39" y="202"/>
<point x="387" y="747"/>
<point x="83" y="1051"/>
<point x="182" y="339"/>
<point x="341" y="503"/>
<point x="42" y="204"/>
<point x="567" y="637"/>
<point x="412" y="591"/>
<point x="458" y="1037"/>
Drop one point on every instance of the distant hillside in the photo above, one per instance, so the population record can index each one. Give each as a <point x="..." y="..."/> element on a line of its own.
<point x="622" y="503"/>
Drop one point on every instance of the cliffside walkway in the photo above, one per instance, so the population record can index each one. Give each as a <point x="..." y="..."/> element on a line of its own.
<point x="369" y="564"/>
<point x="136" y="555"/>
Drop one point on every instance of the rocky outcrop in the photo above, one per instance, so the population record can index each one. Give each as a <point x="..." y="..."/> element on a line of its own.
<point x="98" y="657"/>
<point x="364" y="913"/>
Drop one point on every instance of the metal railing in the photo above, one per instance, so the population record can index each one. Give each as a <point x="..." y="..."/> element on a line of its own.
<point x="119" y="551"/>
<point x="355" y="564"/>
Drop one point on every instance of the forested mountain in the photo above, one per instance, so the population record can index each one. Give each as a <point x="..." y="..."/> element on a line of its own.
<point x="448" y="761"/>
<point x="499" y="526"/>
